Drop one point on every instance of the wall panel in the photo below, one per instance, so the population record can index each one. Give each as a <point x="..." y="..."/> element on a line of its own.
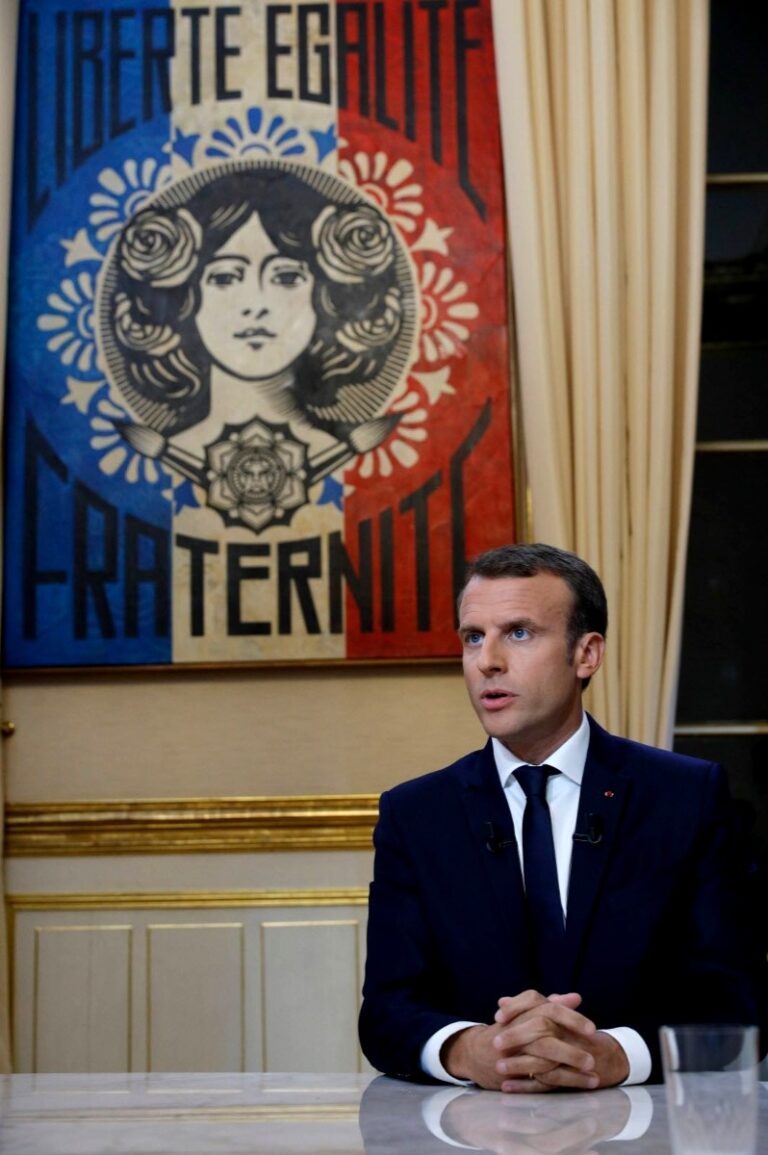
<point x="194" y="990"/>
<point x="81" y="997"/>
<point x="310" y="976"/>
<point x="107" y="982"/>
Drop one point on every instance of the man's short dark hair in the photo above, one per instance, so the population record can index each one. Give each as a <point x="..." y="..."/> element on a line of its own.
<point x="590" y="607"/>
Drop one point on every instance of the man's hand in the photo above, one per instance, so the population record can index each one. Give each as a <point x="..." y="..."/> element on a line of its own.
<point x="486" y="1055"/>
<point x="536" y="1044"/>
<point x="471" y="1054"/>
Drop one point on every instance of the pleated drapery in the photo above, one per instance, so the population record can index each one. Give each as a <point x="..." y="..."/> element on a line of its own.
<point x="603" y="106"/>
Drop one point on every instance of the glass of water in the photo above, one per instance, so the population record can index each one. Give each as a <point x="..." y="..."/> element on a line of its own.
<point x="711" y="1078"/>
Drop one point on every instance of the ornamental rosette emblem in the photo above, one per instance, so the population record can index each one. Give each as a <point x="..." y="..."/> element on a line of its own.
<point x="257" y="475"/>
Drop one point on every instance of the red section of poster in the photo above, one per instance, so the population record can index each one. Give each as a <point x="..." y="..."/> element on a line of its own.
<point x="418" y="128"/>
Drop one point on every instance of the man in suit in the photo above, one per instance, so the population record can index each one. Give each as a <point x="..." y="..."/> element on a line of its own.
<point x="473" y="974"/>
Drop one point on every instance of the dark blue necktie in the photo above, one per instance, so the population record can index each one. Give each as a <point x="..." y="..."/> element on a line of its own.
<point x="540" y="870"/>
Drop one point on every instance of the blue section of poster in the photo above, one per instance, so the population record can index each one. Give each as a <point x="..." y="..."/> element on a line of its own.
<point x="88" y="558"/>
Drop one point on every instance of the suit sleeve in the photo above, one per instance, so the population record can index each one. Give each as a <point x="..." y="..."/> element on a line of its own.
<point x="401" y="993"/>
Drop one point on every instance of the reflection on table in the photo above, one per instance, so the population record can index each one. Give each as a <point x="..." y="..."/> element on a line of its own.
<point x="236" y="1114"/>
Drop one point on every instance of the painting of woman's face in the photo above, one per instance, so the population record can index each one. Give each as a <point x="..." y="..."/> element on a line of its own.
<point x="256" y="315"/>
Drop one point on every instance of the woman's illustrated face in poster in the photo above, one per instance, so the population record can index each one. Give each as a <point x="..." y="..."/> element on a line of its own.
<point x="256" y="313"/>
<point x="270" y="275"/>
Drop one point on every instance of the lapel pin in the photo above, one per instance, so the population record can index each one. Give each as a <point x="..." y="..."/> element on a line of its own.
<point x="608" y="794"/>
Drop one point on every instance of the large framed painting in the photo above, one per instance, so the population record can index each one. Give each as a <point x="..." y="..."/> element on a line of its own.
<point x="258" y="379"/>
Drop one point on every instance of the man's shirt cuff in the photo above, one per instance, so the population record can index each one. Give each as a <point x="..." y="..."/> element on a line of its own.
<point x="636" y="1050"/>
<point x="430" y="1053"/>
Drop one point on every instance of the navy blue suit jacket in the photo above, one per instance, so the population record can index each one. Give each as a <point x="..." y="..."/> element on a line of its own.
<point x="658" y="925"/>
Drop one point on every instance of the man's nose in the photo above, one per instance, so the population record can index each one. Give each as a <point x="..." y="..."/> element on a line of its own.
<point x="492" y="655"/>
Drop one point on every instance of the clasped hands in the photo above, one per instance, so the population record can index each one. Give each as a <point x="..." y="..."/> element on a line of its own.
<point x="536" y="1043"/>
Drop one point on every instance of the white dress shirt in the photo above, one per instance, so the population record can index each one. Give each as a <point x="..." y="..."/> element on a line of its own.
<point x="563" y="791"/>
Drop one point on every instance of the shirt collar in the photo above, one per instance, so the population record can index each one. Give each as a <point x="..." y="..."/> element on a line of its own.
<point x="569" y="759"/>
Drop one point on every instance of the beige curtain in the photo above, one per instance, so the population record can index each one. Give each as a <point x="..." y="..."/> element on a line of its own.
<point x="7" y="73"/>
<point x="603" y="106"/>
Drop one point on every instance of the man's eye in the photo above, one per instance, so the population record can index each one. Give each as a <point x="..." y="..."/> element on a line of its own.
<point x="473" y="638"/>
<point x="520" y="633"/>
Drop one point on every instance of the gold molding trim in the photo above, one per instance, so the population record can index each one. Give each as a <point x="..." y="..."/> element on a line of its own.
<point x="191" y="826"/>
<point x="188" y="899"/>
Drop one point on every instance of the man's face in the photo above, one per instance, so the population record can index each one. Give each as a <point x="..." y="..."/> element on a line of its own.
<point x="522" y="681"/>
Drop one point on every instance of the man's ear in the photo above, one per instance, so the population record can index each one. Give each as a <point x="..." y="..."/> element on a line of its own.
<point x="588" y="655"/>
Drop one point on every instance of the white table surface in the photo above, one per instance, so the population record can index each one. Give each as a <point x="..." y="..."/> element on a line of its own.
<point x="235" y="1114"/>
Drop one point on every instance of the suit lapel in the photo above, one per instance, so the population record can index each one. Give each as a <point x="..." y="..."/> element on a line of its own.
<point x="492" y="832"/>
<point x="604" y="795"/>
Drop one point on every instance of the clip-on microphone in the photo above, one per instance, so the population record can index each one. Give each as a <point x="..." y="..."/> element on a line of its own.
<point x="594" y="831"/>
<point x="494" y="842"/>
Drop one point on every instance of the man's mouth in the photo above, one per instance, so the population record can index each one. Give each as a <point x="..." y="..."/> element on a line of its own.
<point x="496" y="698"/>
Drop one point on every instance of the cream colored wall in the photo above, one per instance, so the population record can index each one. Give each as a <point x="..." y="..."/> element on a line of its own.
<point x="286" y="731"/>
